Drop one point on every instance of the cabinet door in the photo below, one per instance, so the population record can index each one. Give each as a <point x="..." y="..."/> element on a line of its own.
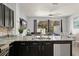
<point x="18" y="49"/>
<point x="11" y="20"/>
<point x="22" y="49"/>
<point x="34" y="49"/>
<point x="1" y="15"/>
<point x="7" y="17"/>
<point x="27" y="49"/>
<point x="47" y="49"/>
<point x="12" y="50"/>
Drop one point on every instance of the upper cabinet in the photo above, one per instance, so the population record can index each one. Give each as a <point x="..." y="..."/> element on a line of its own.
<point x="1" y="15"/>
<point x="6" y="16"/>
<point x="9" y="17"/>
<point x="11" y="23"/>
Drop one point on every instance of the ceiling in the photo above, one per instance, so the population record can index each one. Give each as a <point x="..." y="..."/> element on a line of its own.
<point x="49" y="9"/>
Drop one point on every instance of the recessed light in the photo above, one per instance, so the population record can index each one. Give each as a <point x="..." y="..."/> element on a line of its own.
<point x="50" y="14"/>
<point x="54" y="3"/>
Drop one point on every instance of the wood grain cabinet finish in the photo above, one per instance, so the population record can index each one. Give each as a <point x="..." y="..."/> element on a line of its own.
<point x="11" y="18"/>
<point x="35" y="48"/>
<point x="1" y="14"/>
<point x="31" y="49"/>
<point x="6" y="16"/>
<point x="47" y="49"/>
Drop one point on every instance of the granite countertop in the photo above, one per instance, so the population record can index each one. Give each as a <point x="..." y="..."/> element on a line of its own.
<point x="8" y="40"/>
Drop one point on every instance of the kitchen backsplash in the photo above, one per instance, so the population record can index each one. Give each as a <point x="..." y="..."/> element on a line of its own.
<point x="4" y="31"/>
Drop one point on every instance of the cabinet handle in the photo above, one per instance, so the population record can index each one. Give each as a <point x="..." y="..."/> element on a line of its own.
<point x="48" y="43"/>
<point x="39" y="48"/>
<point x="35" y="43"/>
<point x="42" y="47"/>
<point x="10" y="46"/>
<point x="22" y="43"/>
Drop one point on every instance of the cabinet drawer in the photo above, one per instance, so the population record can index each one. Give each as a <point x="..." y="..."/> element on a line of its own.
<point x="35" y="44"/>
<point x="46" y="43"/>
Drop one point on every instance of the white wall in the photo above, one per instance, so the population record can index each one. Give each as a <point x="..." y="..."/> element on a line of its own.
<point x="66" y="24"/>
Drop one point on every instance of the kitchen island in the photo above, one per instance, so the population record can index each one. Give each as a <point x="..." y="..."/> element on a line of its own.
<point x="26" y="46"/>
<point x="36" y="48"/>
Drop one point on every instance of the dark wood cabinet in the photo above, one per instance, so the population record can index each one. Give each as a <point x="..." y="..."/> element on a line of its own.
<point x="1" y="15"/>
<point x="6" y="16"/>
<point x="11" y="18"/>
<point x="35" y="48"/>
<point x="31" y="49"/>
<point x="47" y="49"/>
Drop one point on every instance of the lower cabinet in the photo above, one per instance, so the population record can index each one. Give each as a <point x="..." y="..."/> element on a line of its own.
<point x="31" y="49"/>
<point x="34" y="49"/>
<point x="47" y="49"/>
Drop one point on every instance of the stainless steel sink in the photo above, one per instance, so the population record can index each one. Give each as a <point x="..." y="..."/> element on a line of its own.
<point x="41" y="38"/>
